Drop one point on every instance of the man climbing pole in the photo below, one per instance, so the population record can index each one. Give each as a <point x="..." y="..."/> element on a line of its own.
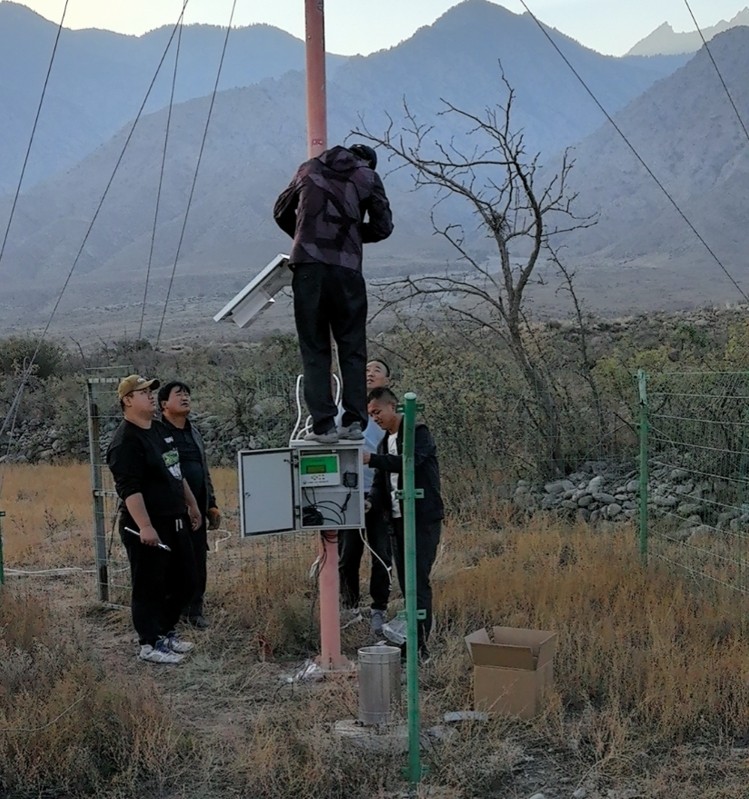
<point x="334" y="205"/>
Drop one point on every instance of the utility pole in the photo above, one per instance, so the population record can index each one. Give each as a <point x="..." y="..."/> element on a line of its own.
<point x="330" y="658"/>
<point x="317" y="118"/>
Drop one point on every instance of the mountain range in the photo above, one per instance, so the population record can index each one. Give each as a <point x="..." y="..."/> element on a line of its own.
<point x="664" y="40"/>
<point x="685" y="240"/>
<point x="671" y="109"/>
<point x="99" y="81"/>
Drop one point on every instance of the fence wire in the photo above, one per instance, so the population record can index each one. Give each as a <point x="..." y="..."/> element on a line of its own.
<point x="697" y="460"/>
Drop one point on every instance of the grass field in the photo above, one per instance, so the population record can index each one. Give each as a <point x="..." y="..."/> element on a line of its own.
<point x="650" y="699"/>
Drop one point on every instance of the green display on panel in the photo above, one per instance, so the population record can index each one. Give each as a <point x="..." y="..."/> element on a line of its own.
<point x="319" y="470"/>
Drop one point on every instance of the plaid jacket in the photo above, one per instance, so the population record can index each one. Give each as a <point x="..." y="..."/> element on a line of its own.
<point x="325" y="207"/>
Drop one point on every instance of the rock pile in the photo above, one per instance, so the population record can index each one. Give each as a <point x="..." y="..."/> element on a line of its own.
<point x="598" y="491"/>
<point x="601" y="491"/>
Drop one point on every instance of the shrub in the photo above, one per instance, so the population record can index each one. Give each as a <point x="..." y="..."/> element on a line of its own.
<point x="16" y="353"/>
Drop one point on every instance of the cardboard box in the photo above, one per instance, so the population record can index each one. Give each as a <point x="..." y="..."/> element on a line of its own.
<point x="511" y="669"/>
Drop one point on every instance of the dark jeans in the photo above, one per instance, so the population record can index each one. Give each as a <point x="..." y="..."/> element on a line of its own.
<point x="427" y="541"/>
<point x="350" y="551"/>
<point x="162" y="582"/>
<point x="199" y="540"/>
<point x="332" y="299"/>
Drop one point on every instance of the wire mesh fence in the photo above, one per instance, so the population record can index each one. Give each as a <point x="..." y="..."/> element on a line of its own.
<point x="695" y="473"/>
<point x="112" y="571"/>
<point x="2" y="556"/>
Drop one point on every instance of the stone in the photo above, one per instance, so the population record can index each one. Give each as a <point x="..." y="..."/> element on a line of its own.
<point x="604" y="498"/>
<point x="633" y="486"/>
<point x="701" y="531"/>
<point x="558" y="487"/>
<point x="613" y="510"/>
<point x="584" y="500"/>
<point x="688" y="508"/>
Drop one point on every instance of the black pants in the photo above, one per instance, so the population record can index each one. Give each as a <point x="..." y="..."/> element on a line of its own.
<point x="162" y="582"/>
<point x="332" y="299"/>
<point x="427" y="541"/>
<point x="199" y="540"/>
<point x="350" y="551"/>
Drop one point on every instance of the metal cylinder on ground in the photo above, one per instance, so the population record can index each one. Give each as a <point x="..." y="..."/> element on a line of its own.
<point x="379" y="683"/>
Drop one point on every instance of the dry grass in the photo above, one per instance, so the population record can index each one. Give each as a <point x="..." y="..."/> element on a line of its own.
<point x="67" y="727"/>
<point x="47" y="508"/>
<point x="651" y="675"/>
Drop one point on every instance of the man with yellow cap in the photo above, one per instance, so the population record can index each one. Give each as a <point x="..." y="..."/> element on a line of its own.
<point x="157" y="511"/>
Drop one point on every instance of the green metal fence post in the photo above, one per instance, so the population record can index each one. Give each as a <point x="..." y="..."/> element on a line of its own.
<point x="642" y="388"/>
<point x="409" y="536"/>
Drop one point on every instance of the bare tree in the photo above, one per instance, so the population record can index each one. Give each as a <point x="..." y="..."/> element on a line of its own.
<point x="517" y="209"/>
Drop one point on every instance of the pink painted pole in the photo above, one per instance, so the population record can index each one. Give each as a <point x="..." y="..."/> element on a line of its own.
<point x="317" y="131"/>
<point x="330" y="658"/>
<point x="317" y="124"/>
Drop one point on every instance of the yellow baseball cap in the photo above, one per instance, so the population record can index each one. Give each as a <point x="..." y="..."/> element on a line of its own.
<point x="134" y="383"/>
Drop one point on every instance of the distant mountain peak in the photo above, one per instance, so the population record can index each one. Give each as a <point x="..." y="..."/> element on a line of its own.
<point x="665" y="41"/>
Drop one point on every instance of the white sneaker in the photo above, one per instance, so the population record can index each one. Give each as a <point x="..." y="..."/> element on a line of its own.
<point x="159" y="653"/>
<point x="350" y="616"/>
<point x="176" y="644"/>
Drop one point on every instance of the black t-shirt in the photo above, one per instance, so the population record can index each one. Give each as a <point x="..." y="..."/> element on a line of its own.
<point x="190" y="460"/>
<point x="146" y="461"/>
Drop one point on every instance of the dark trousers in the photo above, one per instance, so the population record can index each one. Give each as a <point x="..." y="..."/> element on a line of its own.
<point x="427" y="541"/>
<point x="332" y="299"/>
<point x="162" y="582"/>
<point x="350" y="551"/>
<point x="199" y="540"/>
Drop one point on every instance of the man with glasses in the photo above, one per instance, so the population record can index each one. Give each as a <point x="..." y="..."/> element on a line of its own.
<point x="157" y="509"/>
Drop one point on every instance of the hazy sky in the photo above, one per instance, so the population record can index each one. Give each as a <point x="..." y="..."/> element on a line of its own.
<point x="361" y="26"/>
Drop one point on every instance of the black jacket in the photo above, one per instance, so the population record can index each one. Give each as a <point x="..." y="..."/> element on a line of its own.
<point x="426" y="475"/>
<point x="208" y="491"/>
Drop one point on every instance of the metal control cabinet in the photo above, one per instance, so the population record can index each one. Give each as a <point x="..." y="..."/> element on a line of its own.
<point x="305" y="487"/>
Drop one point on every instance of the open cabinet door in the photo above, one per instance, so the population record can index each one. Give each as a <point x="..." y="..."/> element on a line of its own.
<point x="266" y="492"/>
